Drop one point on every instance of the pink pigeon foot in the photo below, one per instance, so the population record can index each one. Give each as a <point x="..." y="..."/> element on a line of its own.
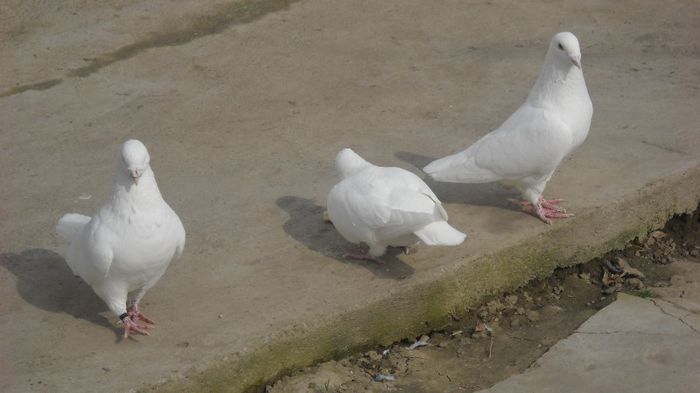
<point x="131" y="326"/>
<point x="545" y="209"/>
<point x="136" y="315"/>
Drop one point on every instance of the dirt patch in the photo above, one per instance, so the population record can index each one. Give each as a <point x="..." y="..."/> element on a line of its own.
<point x="507" y="333"/>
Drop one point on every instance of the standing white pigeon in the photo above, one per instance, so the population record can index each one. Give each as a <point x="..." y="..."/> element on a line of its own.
<point x="383" y="207"/>
<point x="526" y="149"/>
<point x="129" y="243"/>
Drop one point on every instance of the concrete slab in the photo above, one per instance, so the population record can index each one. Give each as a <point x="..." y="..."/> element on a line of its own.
<point x="244" y="108"/>
<point x="633" y="345"/>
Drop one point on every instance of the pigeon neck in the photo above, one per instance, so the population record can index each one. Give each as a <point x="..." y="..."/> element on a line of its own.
<point x="350" y="169"/>
<point x="557" y="82"/>
<point x="129" y="194"/>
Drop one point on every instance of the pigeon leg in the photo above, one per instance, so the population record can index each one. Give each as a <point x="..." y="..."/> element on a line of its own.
<point x="131" y="326"/>
<point x="136" y="315"/>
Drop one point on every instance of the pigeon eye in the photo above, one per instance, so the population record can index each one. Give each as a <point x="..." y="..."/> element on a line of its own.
<point x="560" y="46"/>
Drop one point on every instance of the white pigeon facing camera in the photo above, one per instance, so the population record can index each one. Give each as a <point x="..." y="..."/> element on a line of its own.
<point x="129" y="243"/>
<point x="383" y="207"/>
<point x="526" y="149"/>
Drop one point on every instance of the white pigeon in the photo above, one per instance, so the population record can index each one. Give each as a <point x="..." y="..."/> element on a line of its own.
<point x="382" y="207"/>
<point x="526" y="149"/>
<point x="129" y="243"/>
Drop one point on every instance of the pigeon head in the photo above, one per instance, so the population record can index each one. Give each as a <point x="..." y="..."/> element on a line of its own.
<point x="564" y="47"/>
<point x="135" y="159"/>
<point x="347" y="163"/>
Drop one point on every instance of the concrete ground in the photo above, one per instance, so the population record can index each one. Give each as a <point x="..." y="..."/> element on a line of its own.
<point x="632" y="345"/>
<point x="244" y="106"/>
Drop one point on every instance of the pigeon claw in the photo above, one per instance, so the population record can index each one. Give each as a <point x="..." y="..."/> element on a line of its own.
<point x="545" y="209"/>
<point x="131" y="326"/>
<point x="136" y="315"/>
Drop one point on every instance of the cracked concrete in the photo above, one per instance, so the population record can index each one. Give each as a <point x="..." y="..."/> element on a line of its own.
<point x="632" y="345"/>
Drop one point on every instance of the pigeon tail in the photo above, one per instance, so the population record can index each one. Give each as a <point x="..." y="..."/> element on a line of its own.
<point x="71" y="224"/>
<point x="440" y="233"/>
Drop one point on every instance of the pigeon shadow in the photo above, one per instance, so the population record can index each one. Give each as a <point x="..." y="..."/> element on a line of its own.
<point x="306" y="225"/>
<point x="486" y="194"/>
<point x="45" y="281"/>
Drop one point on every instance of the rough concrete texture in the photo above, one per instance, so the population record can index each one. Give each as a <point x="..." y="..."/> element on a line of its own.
<point x="244" y="107"/>
<point x="632" y="345"/>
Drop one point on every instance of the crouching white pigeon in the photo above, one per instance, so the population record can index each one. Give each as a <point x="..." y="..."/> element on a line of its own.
<point x="526" y="149"/>
<point x="129" y="243"/>
<point x="383" y="207"/>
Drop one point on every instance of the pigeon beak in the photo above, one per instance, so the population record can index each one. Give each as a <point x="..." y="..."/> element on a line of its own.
<point x="577" y="62"/>
<point x="135" y="175"/>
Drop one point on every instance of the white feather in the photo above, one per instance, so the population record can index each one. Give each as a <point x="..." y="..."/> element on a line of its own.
<point x="131" y="240"/>
<point x="527" y="148"/>
<point x="385" y="206"/>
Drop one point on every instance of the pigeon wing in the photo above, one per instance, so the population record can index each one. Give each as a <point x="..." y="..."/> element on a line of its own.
<point x="532" y="141"/>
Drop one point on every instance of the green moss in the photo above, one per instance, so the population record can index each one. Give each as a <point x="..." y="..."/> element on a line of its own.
<point x="422" y="307"/>
<point x="643" y="293"/>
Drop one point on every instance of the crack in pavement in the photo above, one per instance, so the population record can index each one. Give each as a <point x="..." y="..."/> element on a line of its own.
<point x="673" y="316"/>
<point x="628" y="332"/>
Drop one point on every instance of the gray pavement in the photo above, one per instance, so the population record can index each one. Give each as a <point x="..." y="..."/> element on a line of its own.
<point x="632" y="345"/>
<point x="243" y="108"/>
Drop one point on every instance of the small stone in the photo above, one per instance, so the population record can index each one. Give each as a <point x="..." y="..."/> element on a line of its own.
<point x="374" y="356"/>
<point x="107" y="369"/>
<point x="494" y="306"/>
<point x="635" y="283"/>
<point x="515" y="322"/>
<point x="512" y="299"/>
<point x="221" y="316"/>
<point x="585" y="276"/>
<point x="533" y="316"/>
<point x="657" y="235"/>
<point x="520" y="311"/>
<point x="444" y="344"/>
<point x="610" y="290"/>
<point x="424" y="338"/>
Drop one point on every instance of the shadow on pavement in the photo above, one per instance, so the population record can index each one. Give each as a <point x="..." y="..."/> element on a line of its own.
<point x="45" y="281"/>
<point x="486" y="194"/>
<point x="306" y="226"/>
